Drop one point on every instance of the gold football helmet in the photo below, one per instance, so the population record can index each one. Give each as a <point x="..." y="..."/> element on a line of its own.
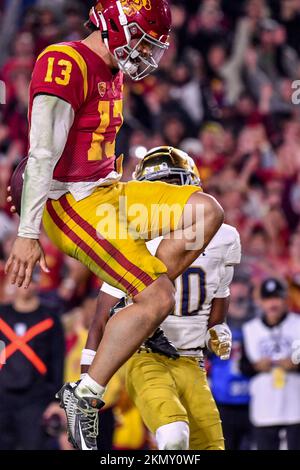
<point x="168" y="163"/>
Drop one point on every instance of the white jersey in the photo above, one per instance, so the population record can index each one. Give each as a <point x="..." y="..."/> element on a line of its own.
<point x="274" y="404"/>
<point x="208" y="277"/>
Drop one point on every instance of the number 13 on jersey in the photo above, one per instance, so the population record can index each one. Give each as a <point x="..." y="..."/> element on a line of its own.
<point x="65" y="71"/>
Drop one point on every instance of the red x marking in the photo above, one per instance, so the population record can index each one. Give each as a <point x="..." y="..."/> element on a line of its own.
<point x="20" y="343"/>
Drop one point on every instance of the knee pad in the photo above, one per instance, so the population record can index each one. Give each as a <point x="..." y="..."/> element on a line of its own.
<point x="173" y="436"/>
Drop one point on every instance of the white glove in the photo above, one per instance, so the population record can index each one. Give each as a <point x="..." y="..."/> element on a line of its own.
<point x="218" y="339"/>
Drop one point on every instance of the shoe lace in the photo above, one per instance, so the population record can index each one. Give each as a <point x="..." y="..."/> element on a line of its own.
<point x="89" y="422"/>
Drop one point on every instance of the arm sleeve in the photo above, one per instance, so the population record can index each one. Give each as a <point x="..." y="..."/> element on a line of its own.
<point x="51" y="121"/>
<point x="113" y="291"/>
<point x="224" y="286"/>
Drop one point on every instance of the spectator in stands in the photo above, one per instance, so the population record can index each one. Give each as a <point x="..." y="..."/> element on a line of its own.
<point x="275" y="58"/>
<point x="275" y="382"/>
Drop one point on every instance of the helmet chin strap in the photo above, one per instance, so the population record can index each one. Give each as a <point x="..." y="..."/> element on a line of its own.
<point x="123" y="21"/>
<point x="122" y="17"/>
<point x="99" y="18"/>
<point x="96" y="17"/>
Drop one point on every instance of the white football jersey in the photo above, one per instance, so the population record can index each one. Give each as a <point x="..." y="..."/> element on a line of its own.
<point x="208" y="277"/>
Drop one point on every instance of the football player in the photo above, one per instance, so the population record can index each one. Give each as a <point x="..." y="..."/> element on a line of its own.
<point x="72" y="178"/>
<point x="173" y="396"/>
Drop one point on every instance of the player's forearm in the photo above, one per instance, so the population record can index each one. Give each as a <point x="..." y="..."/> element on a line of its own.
<point x="105" y="303"/>
<point x="108" y="298"/>
<point x="220" y="303"/>
<point x="51" y="121"/>
<point x="37" y="181"/>
<point x="219" y="310"/>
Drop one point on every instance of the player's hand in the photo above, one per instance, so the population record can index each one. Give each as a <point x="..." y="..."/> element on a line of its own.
<point x="219" y="341"/>
<point x="25" y="254"/>
<point x="9" y="200"/>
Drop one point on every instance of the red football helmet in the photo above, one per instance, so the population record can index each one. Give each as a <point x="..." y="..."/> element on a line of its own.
<point x="135" y="32"/>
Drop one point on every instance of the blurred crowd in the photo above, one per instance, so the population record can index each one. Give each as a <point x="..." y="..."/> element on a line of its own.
<point x="226" y="93"/>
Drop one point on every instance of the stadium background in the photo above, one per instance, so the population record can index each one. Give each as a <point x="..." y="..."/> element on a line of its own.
<point x="224" y="94"/>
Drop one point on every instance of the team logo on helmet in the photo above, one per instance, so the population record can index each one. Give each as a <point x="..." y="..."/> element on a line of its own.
<point x="135" y="31"/>
<point x="132" y="6"/>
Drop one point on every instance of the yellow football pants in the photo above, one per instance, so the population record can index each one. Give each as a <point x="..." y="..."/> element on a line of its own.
<point x="167" y="390"/>
<point x="107" y="231"/>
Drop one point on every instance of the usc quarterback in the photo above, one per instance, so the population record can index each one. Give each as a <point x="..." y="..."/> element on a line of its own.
<point x="72" y="177"/>
<point x="173" y="396"/>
